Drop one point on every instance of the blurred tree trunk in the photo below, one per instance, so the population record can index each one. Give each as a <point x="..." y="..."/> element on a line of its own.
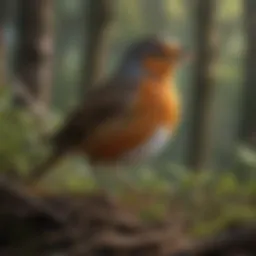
<point x="199" y="147"/>
<point x="154" y="15"/>
<point x="248" y="121"/>
<point x="33" y="62"/>
<point x="98" y="18"/>
<point x="5" y="13"/>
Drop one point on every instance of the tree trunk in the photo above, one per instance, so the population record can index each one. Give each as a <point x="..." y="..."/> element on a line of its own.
<point x="5" y="11"/>
<point x="199" y="147"/>
<point x="248" y="121"/>
<point x="98" y="18"/>
<point x="33" y="64"/>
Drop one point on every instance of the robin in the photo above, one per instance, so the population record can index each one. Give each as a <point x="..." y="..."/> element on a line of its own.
<point x="130" y="117"/>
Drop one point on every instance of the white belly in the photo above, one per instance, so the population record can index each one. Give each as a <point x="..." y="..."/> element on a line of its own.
<point x="150" y="148"/>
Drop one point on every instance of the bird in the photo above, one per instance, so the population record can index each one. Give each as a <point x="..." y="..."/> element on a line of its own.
<point x="129" y="117"/>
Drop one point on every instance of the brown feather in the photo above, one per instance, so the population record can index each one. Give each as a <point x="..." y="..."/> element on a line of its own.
<point x="111" y="100"/>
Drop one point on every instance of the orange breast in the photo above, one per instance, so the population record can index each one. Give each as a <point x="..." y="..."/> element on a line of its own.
<point x="156" y="106"/>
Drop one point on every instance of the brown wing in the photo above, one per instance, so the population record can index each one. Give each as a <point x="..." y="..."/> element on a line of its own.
<point x="108" y="101"/>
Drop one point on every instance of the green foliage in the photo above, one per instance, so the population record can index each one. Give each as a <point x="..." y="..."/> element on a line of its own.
<point x="23" y="146"/>
<point x="208" y="200"/>
<point x="21" y="143"/>
<point x="212" y="200"/>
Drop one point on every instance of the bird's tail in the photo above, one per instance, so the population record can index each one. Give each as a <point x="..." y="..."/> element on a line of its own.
<point x="41" y="170"/>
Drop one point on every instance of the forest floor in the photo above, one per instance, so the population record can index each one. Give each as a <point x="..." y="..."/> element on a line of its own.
<point x="34" y="223"/>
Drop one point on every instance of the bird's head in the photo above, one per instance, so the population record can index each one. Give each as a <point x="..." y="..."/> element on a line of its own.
<point x="154" y="56"/>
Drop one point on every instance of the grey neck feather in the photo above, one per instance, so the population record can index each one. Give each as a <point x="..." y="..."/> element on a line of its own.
<point x="132" y="69"/>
